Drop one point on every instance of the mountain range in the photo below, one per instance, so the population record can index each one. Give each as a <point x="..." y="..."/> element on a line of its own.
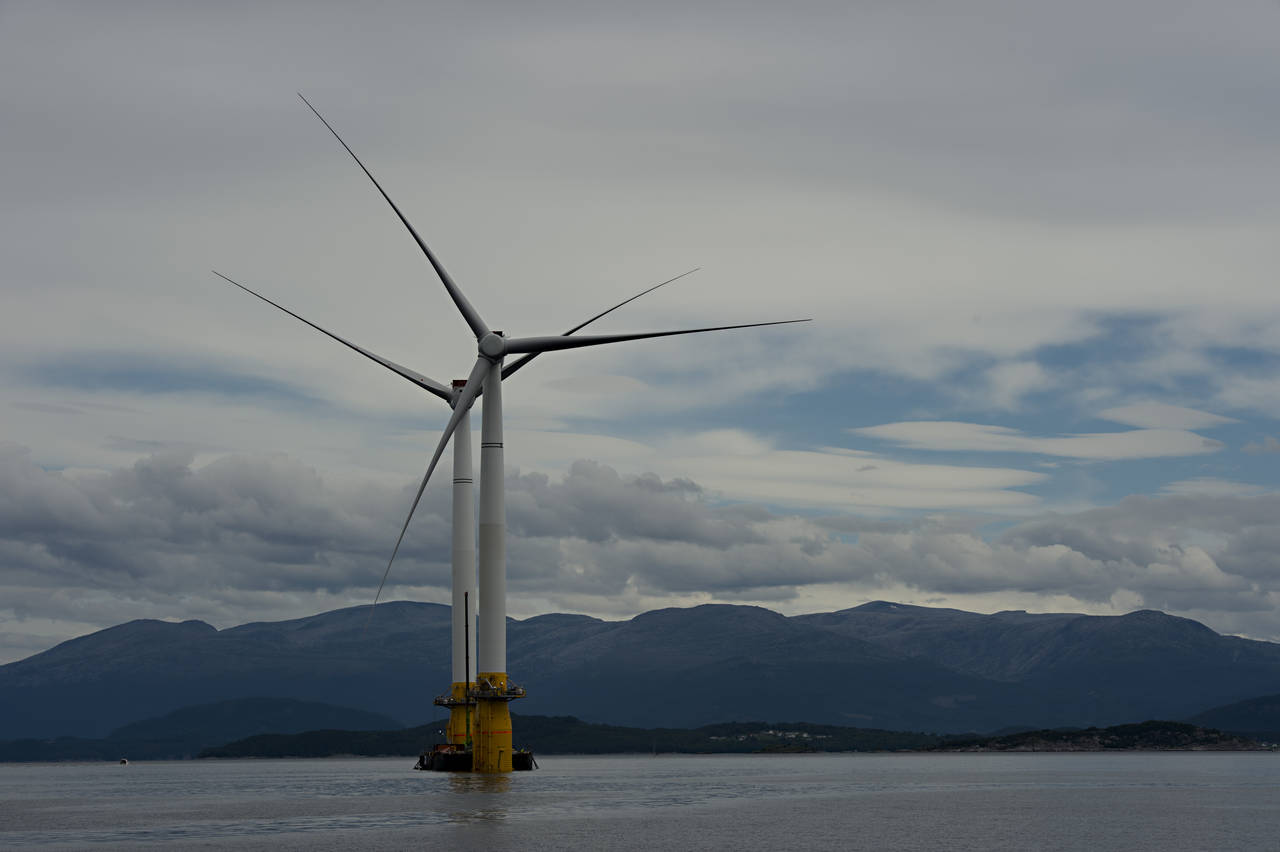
<point x="881" y="665"/>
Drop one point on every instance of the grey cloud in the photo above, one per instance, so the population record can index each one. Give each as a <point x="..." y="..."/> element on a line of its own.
<point x="1267" y="445"/>
<point x="594" y="503"/>
<point x="124" y="372"/>
<point x="853" y="524"/>
<point x="139" y="445"/>
<point x="652" y="482"/>
<point x="161" y="523"/>
<point x="811" y="545"/>
<point x="1129" y="528"/>
<point x="1187" y="552"/>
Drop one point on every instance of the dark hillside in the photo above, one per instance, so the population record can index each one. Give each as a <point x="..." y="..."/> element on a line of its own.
<point x="1254" y="717"/>
<point x="185" y="732"/>
<point x="1143" y="736"/>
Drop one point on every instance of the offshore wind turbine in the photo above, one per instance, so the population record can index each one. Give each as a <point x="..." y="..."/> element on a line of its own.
<point x="492" y="751"/>
<point x="463" y="546"/>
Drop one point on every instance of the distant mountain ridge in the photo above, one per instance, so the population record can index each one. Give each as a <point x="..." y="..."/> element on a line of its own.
<point x="1255" y="717"/>
<point x="880" y="665"/>
<point x="185" y="732"/>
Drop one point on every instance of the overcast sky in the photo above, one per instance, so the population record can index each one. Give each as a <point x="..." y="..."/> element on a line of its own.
<point x="1039" y="242"/>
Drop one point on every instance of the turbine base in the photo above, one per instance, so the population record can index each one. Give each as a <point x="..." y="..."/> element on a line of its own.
<point x="493" y="752"/>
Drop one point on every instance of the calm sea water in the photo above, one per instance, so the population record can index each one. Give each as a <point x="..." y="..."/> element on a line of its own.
<point x="1168" y="802"/>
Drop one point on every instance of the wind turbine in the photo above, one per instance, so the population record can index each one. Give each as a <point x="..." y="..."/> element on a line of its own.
<point x="493" y="741"/>
<point x="463" y="549"/>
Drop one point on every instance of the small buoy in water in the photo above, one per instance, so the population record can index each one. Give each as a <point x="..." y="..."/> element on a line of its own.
<point x="124" y="761"/>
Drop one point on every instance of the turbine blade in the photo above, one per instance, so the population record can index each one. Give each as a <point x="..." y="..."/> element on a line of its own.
<point x="549" y="344"/>
<point x="429" y="385"/>
<point x="583" y="325"/>
<point x="525" y="359"/>
<point x="478" y="328"/>
<point x="468" y="395"/>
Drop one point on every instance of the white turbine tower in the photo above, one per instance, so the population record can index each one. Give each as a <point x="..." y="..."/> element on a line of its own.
<point x="493" y="740"/>
<point x="463" y="550"/>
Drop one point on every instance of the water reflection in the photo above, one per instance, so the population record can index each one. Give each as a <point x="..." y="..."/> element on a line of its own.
<point x="472" y="784"/>
<point x="479" y="782"/>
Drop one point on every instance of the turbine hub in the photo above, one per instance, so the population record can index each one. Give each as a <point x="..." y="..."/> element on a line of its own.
<point x="492" y="346"/>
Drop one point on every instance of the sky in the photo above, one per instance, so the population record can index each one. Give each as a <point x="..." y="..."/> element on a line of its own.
<point x="1037" y="241"/>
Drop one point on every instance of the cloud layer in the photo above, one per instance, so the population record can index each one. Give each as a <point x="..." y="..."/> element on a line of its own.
<point x="246" y="538"/>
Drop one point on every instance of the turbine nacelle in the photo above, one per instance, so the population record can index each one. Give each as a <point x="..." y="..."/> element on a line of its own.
<point x="455" y="391"/>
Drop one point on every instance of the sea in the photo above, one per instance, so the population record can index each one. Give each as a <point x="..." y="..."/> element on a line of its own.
<point x="1167" y="801"/>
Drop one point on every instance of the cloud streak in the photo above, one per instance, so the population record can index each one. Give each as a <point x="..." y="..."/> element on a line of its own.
<point x="1110" y="446"/>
